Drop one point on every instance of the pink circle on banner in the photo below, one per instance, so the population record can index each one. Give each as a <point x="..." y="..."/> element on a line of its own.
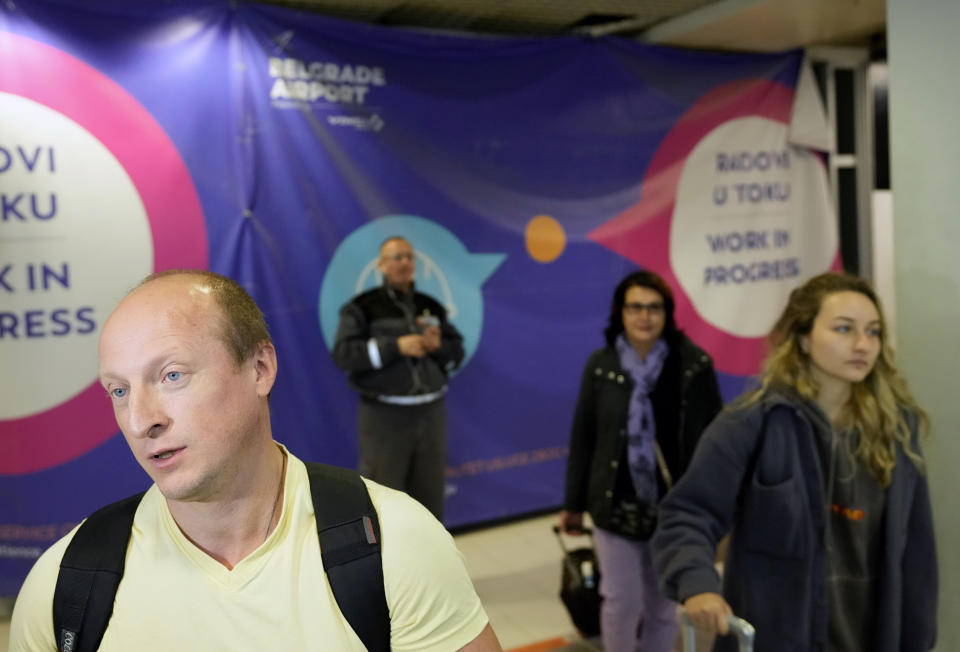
<point x="96" y="103"/>
<point x="642" y="232"/>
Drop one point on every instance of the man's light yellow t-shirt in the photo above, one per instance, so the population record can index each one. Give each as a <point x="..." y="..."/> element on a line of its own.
<point x="175" y="597"/>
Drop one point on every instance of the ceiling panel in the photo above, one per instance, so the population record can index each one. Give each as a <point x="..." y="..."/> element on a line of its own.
<point x="530" y="17"/>
<point x="751" y="25"/>
<point x="772" y="25"/>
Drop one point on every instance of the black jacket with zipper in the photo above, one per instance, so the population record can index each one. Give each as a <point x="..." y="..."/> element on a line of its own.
<point x="383" y="315"/>
<point x="685" y="400"/>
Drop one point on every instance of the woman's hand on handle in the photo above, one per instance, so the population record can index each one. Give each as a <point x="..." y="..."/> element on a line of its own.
<point x="708" y="611"/>
<point x="571" y="522"/>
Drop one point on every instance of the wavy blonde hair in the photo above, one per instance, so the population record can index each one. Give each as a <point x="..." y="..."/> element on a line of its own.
<point x="877" y="404"/>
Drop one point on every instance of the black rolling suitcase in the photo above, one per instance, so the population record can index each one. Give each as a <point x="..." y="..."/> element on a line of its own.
<point x="579" y="585"/>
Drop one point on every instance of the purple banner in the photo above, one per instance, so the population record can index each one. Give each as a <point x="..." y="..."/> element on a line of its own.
<point x="280" y="148"/>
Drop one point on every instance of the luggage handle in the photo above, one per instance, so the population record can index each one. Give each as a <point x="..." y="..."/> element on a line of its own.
<point x="557" y="531"/>
<point x="740" y="628"/>
<point x="587" y="571"/>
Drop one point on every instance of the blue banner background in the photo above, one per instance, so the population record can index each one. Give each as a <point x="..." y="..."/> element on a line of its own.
<point x="477" y="135"/>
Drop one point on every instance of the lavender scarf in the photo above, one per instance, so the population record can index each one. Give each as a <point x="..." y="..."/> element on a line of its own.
<point x="641" y="429"/>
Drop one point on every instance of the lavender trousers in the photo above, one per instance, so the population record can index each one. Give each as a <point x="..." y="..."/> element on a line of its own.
<point x="628" y="585"/>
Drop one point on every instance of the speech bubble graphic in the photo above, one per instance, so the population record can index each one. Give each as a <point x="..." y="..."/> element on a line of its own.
<point x="645" y="234"/>
<point x="50" y="249"/>
<point x="95" y="197"/>
<point x="752" y="215"/>
<point x="445" y="270"/>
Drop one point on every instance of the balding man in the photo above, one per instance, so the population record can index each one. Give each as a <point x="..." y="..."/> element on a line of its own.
<point x="223" y="551"/>
<point x="398" y="348"/>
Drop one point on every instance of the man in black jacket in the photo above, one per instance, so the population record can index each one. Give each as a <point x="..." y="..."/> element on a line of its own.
<point x="397" y="348"/>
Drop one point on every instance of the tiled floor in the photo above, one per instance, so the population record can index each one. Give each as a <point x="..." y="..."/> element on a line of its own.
<point x="516" y="571"/>
<point x="6" y="606"/>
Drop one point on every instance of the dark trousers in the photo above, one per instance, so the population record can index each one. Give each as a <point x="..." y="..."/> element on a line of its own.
<point x="405" y="447"/>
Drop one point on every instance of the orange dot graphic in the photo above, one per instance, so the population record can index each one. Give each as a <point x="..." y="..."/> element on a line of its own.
<point x="545" y="238"/>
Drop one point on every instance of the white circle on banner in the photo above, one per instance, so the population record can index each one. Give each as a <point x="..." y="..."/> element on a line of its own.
<point x="752" y="220"/>
<point x="73" y="231"/>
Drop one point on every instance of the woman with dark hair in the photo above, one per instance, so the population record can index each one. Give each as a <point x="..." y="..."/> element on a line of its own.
<point x="644" y="400"/>
<point x="818" y="475"/>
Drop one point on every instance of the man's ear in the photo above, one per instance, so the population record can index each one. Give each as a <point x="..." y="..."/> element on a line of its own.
<point x="265" y="366"/>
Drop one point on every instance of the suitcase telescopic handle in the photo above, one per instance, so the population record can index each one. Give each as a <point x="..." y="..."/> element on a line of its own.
<point x="557" y="531"/>
<point x="740" y="628"/>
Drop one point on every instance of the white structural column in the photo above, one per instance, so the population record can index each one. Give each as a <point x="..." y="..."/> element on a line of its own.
<point x="923" y="48"/>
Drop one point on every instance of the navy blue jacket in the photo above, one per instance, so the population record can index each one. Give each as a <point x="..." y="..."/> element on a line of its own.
<point x="756" y="474"/>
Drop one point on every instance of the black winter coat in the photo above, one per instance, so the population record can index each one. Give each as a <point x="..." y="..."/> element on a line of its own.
<point x="685" y="400"/>
<point x="382" y="315"/>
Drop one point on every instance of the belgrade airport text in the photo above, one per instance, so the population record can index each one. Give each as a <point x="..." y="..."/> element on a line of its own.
<point x="343" y="83"/>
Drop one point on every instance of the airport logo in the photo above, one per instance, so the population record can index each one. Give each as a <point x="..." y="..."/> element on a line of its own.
<point x="346" y="84"/>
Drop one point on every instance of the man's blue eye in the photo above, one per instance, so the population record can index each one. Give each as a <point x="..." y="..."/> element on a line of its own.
<point x="174" y="376"/>
<point x="118" y="392"/>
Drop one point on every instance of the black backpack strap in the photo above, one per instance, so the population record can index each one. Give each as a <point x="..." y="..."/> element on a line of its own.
<point x="347" y="526"/>
<point x="349" y="534"/>
<point x="90" y="573"/>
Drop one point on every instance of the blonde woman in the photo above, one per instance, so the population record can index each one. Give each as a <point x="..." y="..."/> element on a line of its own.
<point x="818" y="476"/>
